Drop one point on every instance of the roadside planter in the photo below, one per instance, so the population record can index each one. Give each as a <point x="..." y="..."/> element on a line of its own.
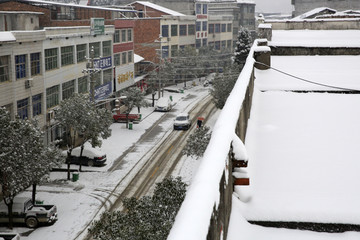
<point x="130" y="125"/>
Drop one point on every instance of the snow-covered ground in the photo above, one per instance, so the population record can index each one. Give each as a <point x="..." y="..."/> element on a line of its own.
<point x="78" y="202"/>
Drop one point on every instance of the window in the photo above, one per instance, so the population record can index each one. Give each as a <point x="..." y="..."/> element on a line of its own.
<point x="198" y="43"/>
<point x="217" y="28"/>
<point x="4" y="68"/>
<point x="130" y="56"/>
<point x="204" y="9"/>
<point x="174" y="30"/>
<point x="204" y="26"/>
<point x="198" y="8"/>
<point x="67" y="55"/>
<point x="223" y="27"/>
<point x="123" y="35"/>
<point x="83" y="84"/>
<point x="211" y="28"/>
<point x="106" y="48"/>
<point x="80" y="53"/>
<point x="198" y="26"/>
<point x="20" y="65"/>
<point x="183" y="30"/>
<point x="107" y="75"/>
<point x="129" y="35"/>
<point x="36" y="103"/>
<point x="165" y="52"/>
<point x="204" y="42"/>
<point x="117" y="36"/>
<point x="165" y="30"/>
<point x="229" y="27"/>
<point x="229" y="43"/>
<point x="68" y="89"/>
<point x="217" y="45"/>
<point x="96" y="46"/>
<point x="123" y="58"/>
<point x="191" y="29"/>
<point x="23" y="108"/>
<point x="223" y="45"/>
<point x="117" y="61"/>
<point x="52" y="96"/>
<point x="51" y="58"/>
<point x="174" y="50"/>
<point x="35" y="63"/>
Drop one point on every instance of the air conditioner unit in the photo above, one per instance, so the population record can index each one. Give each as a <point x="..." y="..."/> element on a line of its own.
<point x="29" y="83"/>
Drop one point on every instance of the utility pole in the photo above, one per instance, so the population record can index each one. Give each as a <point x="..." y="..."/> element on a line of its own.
<point x="91" y="70"/>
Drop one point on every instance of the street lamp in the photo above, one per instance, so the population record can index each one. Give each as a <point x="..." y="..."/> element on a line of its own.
<point x="91" y="70"/>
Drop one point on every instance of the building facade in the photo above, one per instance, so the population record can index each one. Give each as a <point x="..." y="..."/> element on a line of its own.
<point x="40" y="68"/>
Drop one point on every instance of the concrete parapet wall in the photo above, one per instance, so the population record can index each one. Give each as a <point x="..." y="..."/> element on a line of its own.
<point x="316" y="24"/>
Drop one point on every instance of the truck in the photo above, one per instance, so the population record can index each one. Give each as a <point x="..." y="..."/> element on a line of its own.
<point x="24" y="211"/>
<point x="121" y="117"/>
<point x="9" y="236"/>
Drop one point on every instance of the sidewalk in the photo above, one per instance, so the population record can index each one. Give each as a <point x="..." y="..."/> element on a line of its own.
<point x="79" y="202"/>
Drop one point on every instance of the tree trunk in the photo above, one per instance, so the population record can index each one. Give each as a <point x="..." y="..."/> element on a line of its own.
<point x="10" y="213"/>
<point x="127" y="120"/>
<point x="33" y="193"/>
<point x="81" y="152"/>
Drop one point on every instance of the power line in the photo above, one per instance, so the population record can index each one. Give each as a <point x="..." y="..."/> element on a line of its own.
<point x="308" y="81"/>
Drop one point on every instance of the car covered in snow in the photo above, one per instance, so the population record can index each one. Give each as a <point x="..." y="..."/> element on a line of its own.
<point x="90" y="156"/>
<point x="163" y="104"/>
<point x="182" y="122"/>
<point x="24" y="211"/>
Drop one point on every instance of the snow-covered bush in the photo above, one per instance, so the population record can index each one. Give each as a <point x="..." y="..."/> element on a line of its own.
<point x="148" y="218"/>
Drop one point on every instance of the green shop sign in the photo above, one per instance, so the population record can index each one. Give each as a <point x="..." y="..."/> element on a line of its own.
<point x="97" y="26"/>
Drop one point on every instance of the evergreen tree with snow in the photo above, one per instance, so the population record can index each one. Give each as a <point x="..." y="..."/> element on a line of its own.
<point x="223" y="85"/>
<point x="80" y="117"/>
<point x="243" y="46"/>
<point x="134" y="98"/>
<point x="149" y="218"/>
<point x="24" y="158"/>
<point x="197" y="142"/>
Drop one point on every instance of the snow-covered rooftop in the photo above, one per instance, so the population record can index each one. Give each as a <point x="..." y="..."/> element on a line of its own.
<point x="138" y="58"/>
<point x="160" y="8"/>
<point x="316" y="38"/>
<point x="7" y="37"/>
<point x="302" y="147"/>
<point x="77" y="5"/>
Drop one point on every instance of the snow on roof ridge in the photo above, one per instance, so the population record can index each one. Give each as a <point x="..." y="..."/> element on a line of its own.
<point x="312" y="12"/>
<point x="78" y="5"/>
<point x="160" y="8"/>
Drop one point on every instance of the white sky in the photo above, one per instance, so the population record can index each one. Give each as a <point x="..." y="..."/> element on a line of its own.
<point x="273" y="6"/>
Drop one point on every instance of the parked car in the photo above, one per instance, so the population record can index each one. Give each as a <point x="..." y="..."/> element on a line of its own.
<point x="90" y="156"/>
<point x="182" y="121"/>
<point x="163" y="104"/>
<point x="24" y="211"/>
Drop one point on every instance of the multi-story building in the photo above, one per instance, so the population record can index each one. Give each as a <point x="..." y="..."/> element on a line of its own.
<point x="302" y="6"/>
<point x="160" y="32"/>
<point x="220" y="34"/>
<point x="43" y="56"/>
<point x="242" y="11"/>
